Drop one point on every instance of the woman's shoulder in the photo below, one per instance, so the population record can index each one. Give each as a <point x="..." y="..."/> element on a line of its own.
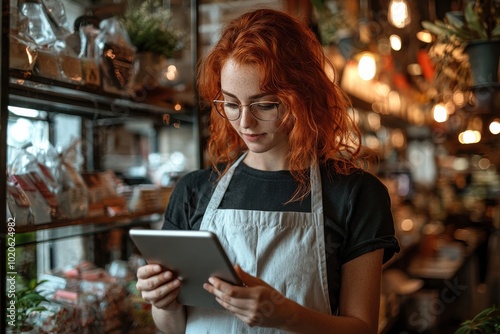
<point x="355" y="184"/>
<point x="353" y="176"/>
<point x="196" y="178"/>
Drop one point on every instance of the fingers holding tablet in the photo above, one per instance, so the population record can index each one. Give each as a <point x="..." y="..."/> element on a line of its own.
<point x="194" y="257"/>
<point x="158" y="286"/>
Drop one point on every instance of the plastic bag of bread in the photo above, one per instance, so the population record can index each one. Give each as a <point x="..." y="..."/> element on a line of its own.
<point x="22" y="169"/>
<point x="42" y="211"/>
<point x="28" y="173"/>
<point x="18" y="205"/>
<point x="22" y="51"/>
<point x="74" y="194"/>
<point x="116" y="56"/>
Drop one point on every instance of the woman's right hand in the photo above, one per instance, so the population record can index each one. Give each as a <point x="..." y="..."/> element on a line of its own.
<point x="158" y="286"/>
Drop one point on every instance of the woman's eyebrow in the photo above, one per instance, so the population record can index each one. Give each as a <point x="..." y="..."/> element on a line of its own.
<point x="253" y="97"/>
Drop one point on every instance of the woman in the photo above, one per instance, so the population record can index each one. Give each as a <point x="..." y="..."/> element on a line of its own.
<point x="308" y="230"/>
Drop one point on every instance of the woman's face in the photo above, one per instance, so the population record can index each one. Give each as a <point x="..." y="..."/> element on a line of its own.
<point x="241" y="84"/>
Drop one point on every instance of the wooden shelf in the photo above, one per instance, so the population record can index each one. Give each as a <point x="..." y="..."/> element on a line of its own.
<point x="149" y="215"/>
<point x="36" y="92"/>
<point x="68" y="228"/>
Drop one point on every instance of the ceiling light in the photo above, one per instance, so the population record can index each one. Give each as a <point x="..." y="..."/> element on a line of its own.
<point x="458" y="98"/>
<point x="374" y="121"/>
<point x="395" y="42"/>
<point x="398" y="138"/>
<point x="469" y="137"/>
<point x="399" y="13"/>
<point x="484" y="163"/>
<point x="495" y="127"/>
<point x="367" y="67"/>
<point x="460" y="164"/>
<point x="440" y="113"/>
<point x="425" y="36"/>
<point x="414" y="69"/>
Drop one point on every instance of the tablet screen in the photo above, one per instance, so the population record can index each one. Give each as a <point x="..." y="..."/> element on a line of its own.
<point x="192" y="255"/>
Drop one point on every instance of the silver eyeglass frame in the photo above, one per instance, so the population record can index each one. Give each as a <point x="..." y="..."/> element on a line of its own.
<point x="240" y="108"/>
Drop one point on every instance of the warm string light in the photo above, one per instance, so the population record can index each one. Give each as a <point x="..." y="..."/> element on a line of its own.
<point x="399" y="13"/>
<point x="171" y="73"/>
<point x="440" y="113"/>
<point x="396" y="43"/>
<point x="367" y="66"/>
<point x="425" y="36"/>
<point x="469" y="137"/>
<point x="495" y="127"/>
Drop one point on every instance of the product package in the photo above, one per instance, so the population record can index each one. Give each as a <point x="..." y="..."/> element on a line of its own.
<point x="74" y="194"/>
<point x="116" y="56"/>
<point x="22" y="51"/>
<point x="18" y="205"/>
<point x="42" y="212"/>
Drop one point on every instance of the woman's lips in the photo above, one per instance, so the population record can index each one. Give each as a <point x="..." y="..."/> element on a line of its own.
<point x="252" y="137"/>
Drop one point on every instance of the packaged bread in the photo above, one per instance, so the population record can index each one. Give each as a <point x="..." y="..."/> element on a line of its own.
<point x="116" y="56"/>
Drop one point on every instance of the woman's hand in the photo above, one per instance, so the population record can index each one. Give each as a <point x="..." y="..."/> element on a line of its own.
<point x="158" y="286"/>
<point x="256" y="304"/>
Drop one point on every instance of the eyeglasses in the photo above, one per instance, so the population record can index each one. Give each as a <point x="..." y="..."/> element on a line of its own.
<point x="262" y="110"/>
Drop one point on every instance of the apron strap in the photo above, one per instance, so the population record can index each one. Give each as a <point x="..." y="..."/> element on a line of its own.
<point x="220" y="190"/>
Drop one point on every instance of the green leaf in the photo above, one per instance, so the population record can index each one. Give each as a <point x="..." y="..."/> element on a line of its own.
<point x="319" y="4"/>
<point x="454" y="20"/>
<point x="433" y="28"/>
<point x="496" y="31"/>
<point x="37" y="309"/>
<point x="473" y="20"/>
<point x="484" y="313"/>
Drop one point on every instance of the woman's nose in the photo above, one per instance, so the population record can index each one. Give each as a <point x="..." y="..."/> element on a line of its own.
<point x="247" y="120"/>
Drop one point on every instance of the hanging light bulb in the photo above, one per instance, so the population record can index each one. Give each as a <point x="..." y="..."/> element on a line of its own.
<point x="472" y="134"/>
<point x="469" y="137"/>
<point x="399" y="13"/>
<point x="440" y="113"/>
<point x="495" y="127"/>
<point x="367" y="66"/>
<point x="395" y="41"/>
<point x="425" y="36"/>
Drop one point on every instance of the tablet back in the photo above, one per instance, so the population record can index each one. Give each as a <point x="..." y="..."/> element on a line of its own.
<point x="193" y="255"/>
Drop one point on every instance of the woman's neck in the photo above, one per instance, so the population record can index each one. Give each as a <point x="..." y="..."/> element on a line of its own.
<point x="268" y="162"/>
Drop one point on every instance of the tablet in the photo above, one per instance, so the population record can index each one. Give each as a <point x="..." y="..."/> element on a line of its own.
<point x="192" y="255"/>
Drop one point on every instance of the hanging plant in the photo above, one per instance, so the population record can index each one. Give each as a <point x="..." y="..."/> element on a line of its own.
<point x="479" y="21"/>
<point x="333" y="21"/>
<point x="150" y="28"/>
<point x="457" y="35"/>
<point x="487" y="321"/>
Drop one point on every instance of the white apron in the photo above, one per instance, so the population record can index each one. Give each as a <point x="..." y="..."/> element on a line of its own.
<point x="284" y="249"/>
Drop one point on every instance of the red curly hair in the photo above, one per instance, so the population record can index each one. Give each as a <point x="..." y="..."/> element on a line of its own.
<point x="292" y="63"/>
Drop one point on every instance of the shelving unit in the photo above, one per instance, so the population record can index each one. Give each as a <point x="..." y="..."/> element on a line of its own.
<point x="4" y="112"/>
<point x="32" y="91"/>
<point x="28" y="90"/>
<point x="104" y="220"/>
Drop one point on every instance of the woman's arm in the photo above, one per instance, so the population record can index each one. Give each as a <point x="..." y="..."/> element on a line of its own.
<point x="170" y="321"/>
<point x="160" y="288"/>
<point x="258" y="304"/>
<point x="359" y="301"/>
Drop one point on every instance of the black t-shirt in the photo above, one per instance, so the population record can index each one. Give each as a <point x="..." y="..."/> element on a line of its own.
<point x="357" y="211"/>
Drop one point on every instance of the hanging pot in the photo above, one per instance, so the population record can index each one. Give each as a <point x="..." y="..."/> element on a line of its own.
<point x="151" y="66"/>
<point x="483" y="59"/>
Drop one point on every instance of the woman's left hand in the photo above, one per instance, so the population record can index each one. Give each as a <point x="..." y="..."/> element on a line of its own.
<point x="256" y="304"/>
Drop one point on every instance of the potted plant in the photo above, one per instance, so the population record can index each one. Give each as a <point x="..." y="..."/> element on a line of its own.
<point x="335" y="26"/>
<point x="151" y="30"/>
<point x="476" y="33"/>
<point x="487" y="321"/>
<point x="28" y="300"/>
